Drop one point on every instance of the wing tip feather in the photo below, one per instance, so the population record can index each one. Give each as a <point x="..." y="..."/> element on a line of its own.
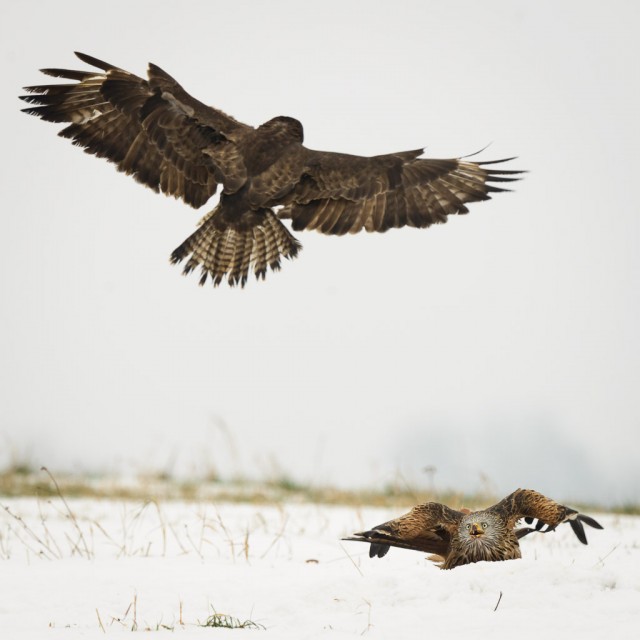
<point x="94" y="62"/>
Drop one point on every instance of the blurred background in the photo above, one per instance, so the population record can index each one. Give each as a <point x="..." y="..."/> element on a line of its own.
<point x="496" y="351"/>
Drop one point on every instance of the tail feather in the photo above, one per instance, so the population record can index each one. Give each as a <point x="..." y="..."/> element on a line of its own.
<point x="223" y="248"/>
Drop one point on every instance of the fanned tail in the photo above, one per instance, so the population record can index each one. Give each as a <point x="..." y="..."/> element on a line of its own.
<point x="230" y="248"/>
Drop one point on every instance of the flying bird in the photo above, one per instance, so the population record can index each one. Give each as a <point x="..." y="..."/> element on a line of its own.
<point x="462" y="537"/>
<point x="155" y="131"/>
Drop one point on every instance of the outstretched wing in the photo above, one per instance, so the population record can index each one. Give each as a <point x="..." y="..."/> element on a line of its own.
<point x="340" y="193"/>
<point x="427" y="527"/>
<point x="528" y="504"/>
<point x="151" y="129"/>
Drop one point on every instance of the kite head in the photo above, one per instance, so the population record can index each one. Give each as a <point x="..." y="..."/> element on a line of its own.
<point x="480" y="528"/>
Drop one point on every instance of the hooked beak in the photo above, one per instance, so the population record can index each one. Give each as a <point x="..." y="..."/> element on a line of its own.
<point x="476" y="530"/>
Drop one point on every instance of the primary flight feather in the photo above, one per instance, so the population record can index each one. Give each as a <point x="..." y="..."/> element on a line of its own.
<point x="155" y="131"/>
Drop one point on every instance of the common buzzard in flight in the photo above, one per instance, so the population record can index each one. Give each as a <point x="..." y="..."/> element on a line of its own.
<point x="462" y="537"/>
<point x="167" y="140"/>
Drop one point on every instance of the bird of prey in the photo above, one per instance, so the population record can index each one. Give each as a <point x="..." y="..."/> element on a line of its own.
<point x="155" y="131"/>
<point x="462" y="537"/>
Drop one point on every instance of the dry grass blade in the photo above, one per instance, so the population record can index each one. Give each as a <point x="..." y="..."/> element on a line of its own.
<point x="45" y="549"/>
<point x="369" y="625"/>
<point x="352" y="561"/>
<point x="72" y="517"/>
<point x="279" y="535"/>
<point x="100" y="621"/>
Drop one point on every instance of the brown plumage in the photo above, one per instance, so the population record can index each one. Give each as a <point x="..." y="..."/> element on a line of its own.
<point x="169" y="141"/>
<point x="462" y="537"/>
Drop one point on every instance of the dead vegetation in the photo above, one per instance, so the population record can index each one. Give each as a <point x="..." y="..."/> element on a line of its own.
<point x="22" y="480"/>
<point x="40" y="483"/>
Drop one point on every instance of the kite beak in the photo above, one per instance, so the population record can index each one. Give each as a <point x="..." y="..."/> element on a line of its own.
<point x="476" y="530"/>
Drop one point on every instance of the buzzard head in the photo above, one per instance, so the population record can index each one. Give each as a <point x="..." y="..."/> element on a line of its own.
<point x="284" y="127"/>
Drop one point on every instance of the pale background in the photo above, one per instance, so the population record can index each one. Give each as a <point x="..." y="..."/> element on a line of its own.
<point x="500" y="349"/>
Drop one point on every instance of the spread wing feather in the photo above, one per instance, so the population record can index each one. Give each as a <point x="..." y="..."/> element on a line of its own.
<point x="529" y="504"/>
<point x="339" y="193"/>
<point x="151" y="129"/>
<point x="155" y="131"/>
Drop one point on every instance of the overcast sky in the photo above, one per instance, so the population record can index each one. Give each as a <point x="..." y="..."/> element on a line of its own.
<point x="501" y="348"/>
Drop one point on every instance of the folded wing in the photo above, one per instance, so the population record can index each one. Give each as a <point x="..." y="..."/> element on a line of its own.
<point x="427" y="527"/>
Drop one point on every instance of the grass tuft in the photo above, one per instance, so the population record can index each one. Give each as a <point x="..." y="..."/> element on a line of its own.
<point x="225" y="621"/>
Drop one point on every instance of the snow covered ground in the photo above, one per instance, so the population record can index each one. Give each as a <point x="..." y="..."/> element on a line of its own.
<point x="115" y="566"/>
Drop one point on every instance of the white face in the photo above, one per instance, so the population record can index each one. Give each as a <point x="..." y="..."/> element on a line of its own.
<point x="477" y="526"/>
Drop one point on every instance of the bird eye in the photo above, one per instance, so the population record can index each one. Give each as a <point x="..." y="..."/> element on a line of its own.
<point x="484" y="525"/>
<point x="468" y="527"/>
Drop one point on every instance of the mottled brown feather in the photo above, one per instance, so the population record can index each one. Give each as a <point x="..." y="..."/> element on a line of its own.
<point x="155" y="131"/>
<point x="462" y="537"/>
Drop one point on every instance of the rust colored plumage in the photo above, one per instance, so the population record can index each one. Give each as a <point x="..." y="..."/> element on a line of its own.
<point x="462" y="537"/>
<point x="155" y="131"/>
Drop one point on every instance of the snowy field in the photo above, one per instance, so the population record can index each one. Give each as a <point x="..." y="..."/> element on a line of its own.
<point x="111" y="567"/>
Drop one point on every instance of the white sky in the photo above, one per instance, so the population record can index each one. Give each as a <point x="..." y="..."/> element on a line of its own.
<point x="501" y="347"/>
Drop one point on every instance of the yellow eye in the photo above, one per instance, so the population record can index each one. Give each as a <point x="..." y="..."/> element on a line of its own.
<point x="468" y="527"/>
<point x="484" y="525"/>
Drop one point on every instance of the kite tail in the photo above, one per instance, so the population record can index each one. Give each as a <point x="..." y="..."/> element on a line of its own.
<point x="226" y="247"/>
